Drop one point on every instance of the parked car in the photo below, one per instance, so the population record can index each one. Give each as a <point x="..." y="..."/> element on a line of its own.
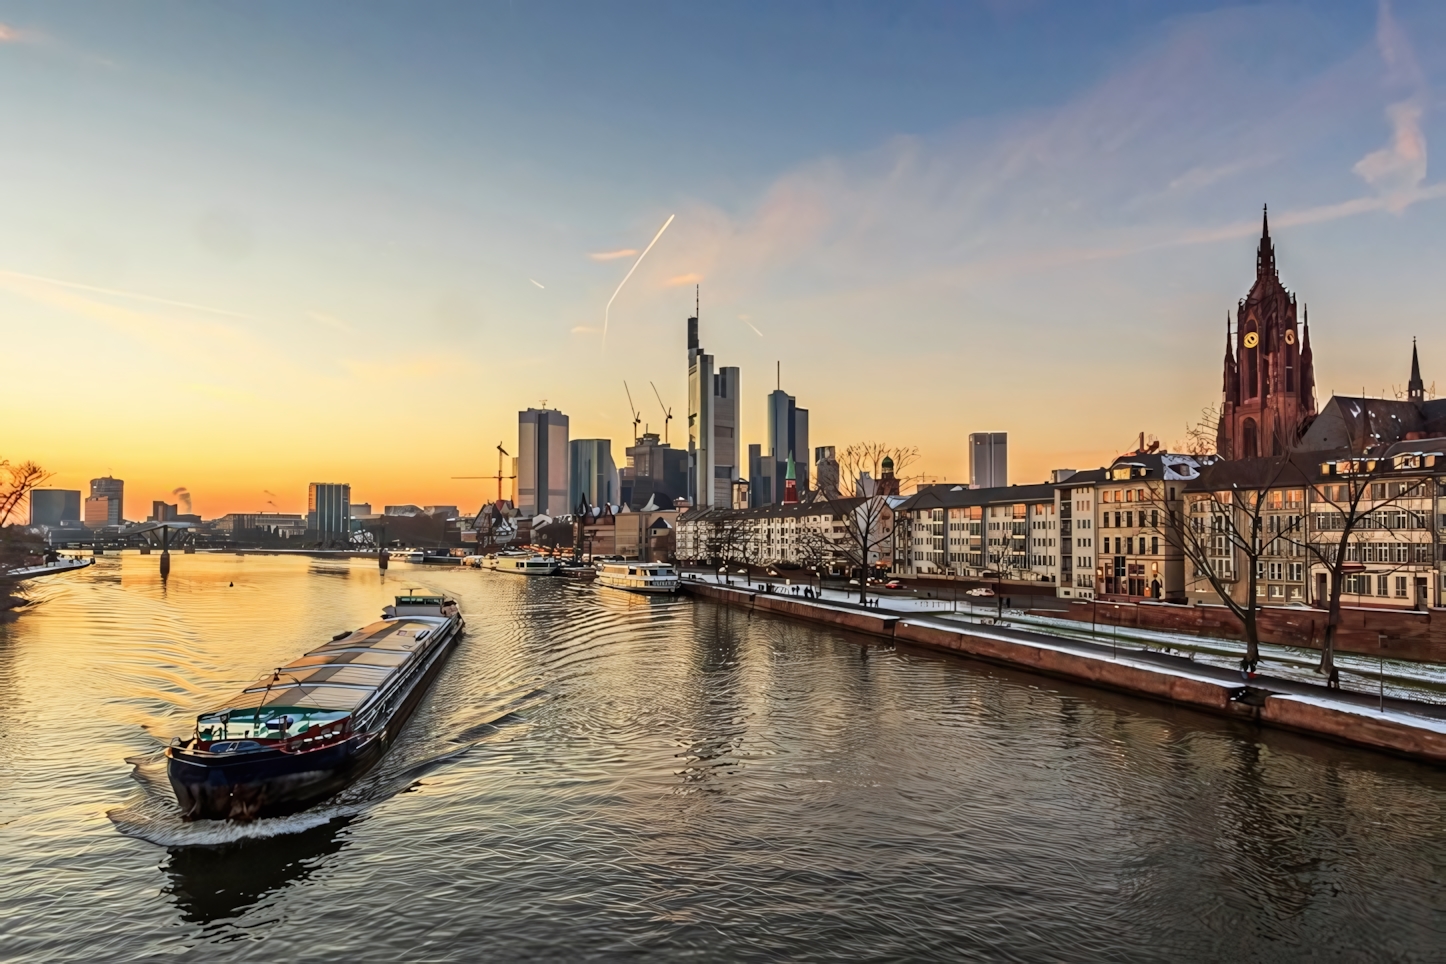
<point x="893" y="584"/>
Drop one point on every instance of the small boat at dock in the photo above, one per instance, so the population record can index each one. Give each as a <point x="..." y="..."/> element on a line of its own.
<point x="315" y="725"/>
<point x="518" y="563"/>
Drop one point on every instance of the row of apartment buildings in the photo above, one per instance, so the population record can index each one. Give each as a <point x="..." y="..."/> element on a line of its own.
<point x="1146" y="527"/>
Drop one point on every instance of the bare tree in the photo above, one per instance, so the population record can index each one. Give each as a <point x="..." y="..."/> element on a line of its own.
<point x="1200" y="438"/>
<point x="20" y="481"/>
<point x="867" y="517"/>
<point x="815" y="548"/>
<point x="723" y="534"/>
<point x="1226" y="522"/>
<point x="1357" y="495"/>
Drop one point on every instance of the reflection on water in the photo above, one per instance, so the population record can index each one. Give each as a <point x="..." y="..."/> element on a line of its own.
<point x="210" y="884"/>
<point x="601" y="774"/>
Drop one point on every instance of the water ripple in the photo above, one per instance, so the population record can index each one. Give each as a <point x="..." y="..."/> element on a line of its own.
<point x="596" y="774"/>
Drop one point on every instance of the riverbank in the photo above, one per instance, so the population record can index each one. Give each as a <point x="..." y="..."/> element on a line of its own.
<point x="65" y="564"/>
<point x="1407" y="728"/>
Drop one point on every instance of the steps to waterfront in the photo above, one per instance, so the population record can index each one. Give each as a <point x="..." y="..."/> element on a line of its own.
<point x="1404" y="727"/>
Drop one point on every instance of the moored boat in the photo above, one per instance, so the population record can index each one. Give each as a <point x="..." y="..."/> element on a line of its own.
<point x="648" y="577"/>
<point x="316" y="724"/>
<point x="520" y="563"/>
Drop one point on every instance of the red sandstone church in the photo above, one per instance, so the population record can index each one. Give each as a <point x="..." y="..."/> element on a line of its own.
<point x="1268" y="405"/>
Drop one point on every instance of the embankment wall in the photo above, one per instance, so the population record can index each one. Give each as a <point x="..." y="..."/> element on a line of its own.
<point x="1388" y="733"/>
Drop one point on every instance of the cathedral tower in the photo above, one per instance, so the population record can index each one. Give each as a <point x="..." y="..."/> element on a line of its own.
<point x="1269" y="384"/>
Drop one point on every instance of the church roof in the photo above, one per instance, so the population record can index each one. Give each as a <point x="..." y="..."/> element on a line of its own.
<point x="1363" y="424"/>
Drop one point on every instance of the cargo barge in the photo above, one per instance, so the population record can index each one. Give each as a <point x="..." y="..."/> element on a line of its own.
<point x="315" y="725"/>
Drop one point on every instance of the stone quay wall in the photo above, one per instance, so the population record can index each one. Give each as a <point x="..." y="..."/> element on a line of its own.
<point x="1394" y="733"/>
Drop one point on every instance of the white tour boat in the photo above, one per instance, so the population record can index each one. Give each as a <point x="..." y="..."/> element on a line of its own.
<point x="639" y="576"/>
<point x="521" y="563"/>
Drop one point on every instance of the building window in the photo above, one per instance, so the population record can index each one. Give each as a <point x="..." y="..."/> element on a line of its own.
<point x="1154" y="545"/>
<point x="1383" y="585"/>
<point x="1130" y="545"/>
<point x="1400" y="587"/>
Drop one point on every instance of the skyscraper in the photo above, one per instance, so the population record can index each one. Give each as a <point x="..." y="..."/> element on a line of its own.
<point x="328" y="511"/>
<point x="593" y="475"/>
<point x="787" y="436"/>
<point x="712" y="426"/>
<point x="988" y="460"/>
<point x="825" y="468"/>
<point x="654" y="471"/>
<point x="114" y="491"/>
<point x="542" y="456"/>
<point x="51" y="507"/>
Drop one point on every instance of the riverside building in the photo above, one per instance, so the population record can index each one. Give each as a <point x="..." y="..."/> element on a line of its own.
<point x="328" y="511"/>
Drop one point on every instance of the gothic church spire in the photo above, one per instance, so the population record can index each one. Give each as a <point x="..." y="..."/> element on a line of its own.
<point x="1415" y="389"/>
<point x="1265" y="254"/>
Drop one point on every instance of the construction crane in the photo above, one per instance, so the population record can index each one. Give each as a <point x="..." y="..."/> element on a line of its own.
<point x="637" y="419"/>
<point x="501" y="454"/>
<point x="667" y="413"/>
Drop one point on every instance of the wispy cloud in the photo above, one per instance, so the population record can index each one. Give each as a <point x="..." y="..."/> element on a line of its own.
<point x="118" y="293"/>
<point x="585" y="330"/>
<point x="1397" y="169"/>
<point x="613" y="255"/>
<point x="330" y="321"/>
<point x="691" y="278"/>
<point x="10" y="35"/>
<point x="159" y="331"/>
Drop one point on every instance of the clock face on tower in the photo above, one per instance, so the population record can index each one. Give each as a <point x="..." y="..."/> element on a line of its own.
<point x="1251" y="339"/>
<point x="1290" y="336"/>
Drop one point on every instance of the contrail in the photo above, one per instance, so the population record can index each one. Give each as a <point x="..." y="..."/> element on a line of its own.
<point x="538" y="283"/>
<point x="120" y="294"/>
<point x="631" y="270"/>
<point x="750" y="325"/>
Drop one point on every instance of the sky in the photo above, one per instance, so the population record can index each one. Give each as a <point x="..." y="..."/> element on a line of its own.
<point x="244" y="247"/>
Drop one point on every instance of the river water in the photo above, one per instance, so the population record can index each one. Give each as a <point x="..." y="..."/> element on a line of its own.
<point x="601" y="775"/>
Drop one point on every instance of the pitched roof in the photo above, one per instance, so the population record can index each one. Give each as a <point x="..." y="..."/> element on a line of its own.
<point x="958" y="496"/>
